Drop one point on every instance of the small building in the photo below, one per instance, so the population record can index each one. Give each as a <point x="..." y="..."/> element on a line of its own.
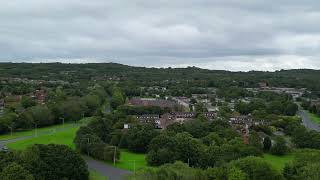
<point x="41" y="96"/>
<point x="126" y="126"/>
<point x="1" y="106"/>
<point x="263" y="84"/>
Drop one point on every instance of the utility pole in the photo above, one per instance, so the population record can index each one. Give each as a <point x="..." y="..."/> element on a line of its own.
<point x="188" y="162"/>
<point x="35" y="132"/>
<point x="10" y="127"/>
<point x="114" y="155"/>
<point x="134" y="166"/>
<point x="88" y="140"/>
<point x="62" y="118"/>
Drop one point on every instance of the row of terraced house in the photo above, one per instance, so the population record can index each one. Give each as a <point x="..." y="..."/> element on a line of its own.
<point x="162" y="121"/>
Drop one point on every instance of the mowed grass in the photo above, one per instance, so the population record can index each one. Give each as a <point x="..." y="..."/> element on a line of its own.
<point x="314" y="118"/>
<point x="278" y="162"/>
<point x="64" y="137"/>
<point x="32" y="132"/>
<point x="94" y="175"/>
<point x="131" y="161"/>
<point x="44" y="130"/>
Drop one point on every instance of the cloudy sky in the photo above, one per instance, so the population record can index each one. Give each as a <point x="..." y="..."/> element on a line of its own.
<point x="226" y="34"/>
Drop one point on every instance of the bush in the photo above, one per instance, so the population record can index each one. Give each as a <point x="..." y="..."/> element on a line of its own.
<point x="15" y="172"/>
<point x="280" y="147"/>
<point x="256" y="168"/>
<point x="54" y="162"/>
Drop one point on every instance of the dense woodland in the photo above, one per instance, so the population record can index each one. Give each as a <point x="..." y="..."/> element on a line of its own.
<point x="140" y="76"/>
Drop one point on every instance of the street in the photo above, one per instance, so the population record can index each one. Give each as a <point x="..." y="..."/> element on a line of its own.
<point x="307" y="121"/>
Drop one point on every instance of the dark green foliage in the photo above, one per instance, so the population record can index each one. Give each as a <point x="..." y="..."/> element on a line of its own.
<point x="236" y="174"/>
<point x="41" y="115"/>
<point x="117" y="98"/>
<point x="101" y="127"/>
<point x="267" y="143"/>
<point x="15" y="172"/>
<point x="280" y="147"/>
<point x="256" y="168"/>
<point x="279" y="104"/>
<point x="139" y="137"/>
<point x="54" y="162"/>
<point x="218" y="155"/>
<point x="27" y="102"/>
<point x="304" y="166"/>
<point x="174" y="171"/>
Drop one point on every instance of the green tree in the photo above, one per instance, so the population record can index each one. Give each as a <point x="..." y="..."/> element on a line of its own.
<point x="236" y="174"/>
<point x="27" y="101"/>
<point x="54" y="162"/>
<point x="15" y="172"/>
<point x="117" y="98"/>
<point x="267" y="143"/>
<point x="41" y="115"/>
<point x="139" y="137"/>
<point x="256" y="168"/>
<point x="280" y="147"/>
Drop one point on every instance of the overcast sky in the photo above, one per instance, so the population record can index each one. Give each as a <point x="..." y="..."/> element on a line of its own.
<point x="226" y="34"/>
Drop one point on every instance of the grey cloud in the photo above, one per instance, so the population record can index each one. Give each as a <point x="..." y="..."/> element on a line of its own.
<point x="164" y="33"/>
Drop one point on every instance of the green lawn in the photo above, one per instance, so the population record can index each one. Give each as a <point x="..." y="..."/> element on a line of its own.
<point x="315" y="118"/>
<point x="60" y="137"/>
<point x="44" y="130"/>
<point x="131" y="161"/>
<point x="278" y="162"/>
<point x="94" y="175"/>
<point x="32" y="132"/>
<point x="55" y="135"/>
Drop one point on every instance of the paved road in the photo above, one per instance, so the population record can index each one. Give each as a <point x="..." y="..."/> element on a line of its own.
<point x="307" y="121"/>
<point x="107" y="170"/>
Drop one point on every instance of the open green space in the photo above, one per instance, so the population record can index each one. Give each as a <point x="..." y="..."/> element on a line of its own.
<point x="44" y="130"/>
<point x="94" y="175"/>
<point x="65" y="137"/>
<point x="314" y="118"/>
<point x="131" y="161"/>
<point x="278" y="162"/>
<point x="32" y="132"/>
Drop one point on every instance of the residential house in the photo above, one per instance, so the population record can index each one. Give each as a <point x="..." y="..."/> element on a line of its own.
<point x="240" y="120"/>
<point x="1" y="106"/>
<point x="41" y="96"/>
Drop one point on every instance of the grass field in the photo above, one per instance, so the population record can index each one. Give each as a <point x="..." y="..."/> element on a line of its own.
<point x="94" y="175"/>
<point x="44" y="130"/>
<point x="60" y="137"/>
<point x="278" y="162"/>
<point x="315" y="118"/>
<point x="131" y="161"/>
<point x="32" y="132"/>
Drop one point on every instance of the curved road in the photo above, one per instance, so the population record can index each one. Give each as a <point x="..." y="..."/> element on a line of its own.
<point x="307" y="122"/>
<point x="107" y="170"/>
